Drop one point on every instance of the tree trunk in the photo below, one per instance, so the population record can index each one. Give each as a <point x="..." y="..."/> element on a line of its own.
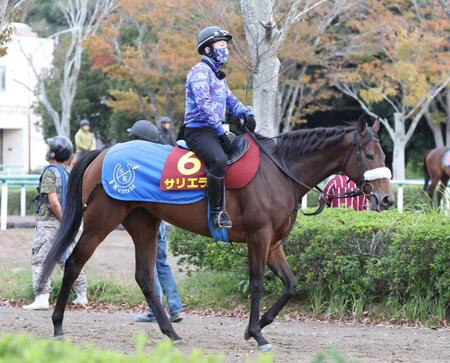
<point x="398" y="162"/>
<point x="436" y="129"/>
<point x="263" y="39"/>
<point x="265" y="85"/>
<point x="3" y="8"/>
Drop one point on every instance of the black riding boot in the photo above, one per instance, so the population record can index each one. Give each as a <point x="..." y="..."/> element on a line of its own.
<point x="216" y="196"/>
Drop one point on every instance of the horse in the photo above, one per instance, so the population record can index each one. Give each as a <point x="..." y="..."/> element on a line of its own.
<point x="263" y="213"/>
<point x="435" y="170"/>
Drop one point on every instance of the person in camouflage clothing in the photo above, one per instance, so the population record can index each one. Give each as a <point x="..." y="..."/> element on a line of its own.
<point x="207" y="99"/>
<point x="49" y="206"/>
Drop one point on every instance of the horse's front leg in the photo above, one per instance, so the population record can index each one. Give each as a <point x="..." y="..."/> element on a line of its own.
<point x="257" y="257"/>
<point x="280" y="267"/>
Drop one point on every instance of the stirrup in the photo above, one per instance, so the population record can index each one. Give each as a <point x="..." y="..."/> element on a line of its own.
<point x="222" y="220"/>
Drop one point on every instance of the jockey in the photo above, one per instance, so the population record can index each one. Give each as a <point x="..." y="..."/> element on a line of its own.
<point x="207" y="99"/>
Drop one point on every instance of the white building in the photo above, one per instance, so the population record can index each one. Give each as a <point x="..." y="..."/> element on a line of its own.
<point x="21" y="140"/>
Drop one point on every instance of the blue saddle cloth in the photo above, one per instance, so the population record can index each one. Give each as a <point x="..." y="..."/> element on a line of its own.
<point x="132" y="171"/>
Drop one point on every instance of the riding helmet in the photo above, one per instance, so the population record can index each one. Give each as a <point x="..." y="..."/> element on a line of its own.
<point x="60" y="148"/>
<point x="144" y="130"/>
<point x="210" y="35"/>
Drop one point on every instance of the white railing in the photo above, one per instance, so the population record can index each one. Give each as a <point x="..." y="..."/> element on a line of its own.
<point x="15" y="181"/>
<point x="24" y="181"/>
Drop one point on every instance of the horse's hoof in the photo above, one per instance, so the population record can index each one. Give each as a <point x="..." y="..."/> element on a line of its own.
<point x="178" y="342"/>
<point x="247" y="334"/>
<point x="265" y="348"/>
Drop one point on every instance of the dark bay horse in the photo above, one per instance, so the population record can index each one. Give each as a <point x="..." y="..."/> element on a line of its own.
<point x="262" y="213"/>
<point x="435" y="171"/>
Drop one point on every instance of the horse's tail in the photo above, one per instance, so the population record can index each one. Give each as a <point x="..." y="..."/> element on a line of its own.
<point x="72" y="216"/>
<point x="426" y="174"/>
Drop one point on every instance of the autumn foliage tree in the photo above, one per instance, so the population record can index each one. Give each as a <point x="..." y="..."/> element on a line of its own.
<point x="144" y="46"/>
<point x="149" y="47"/>
<point x="402" y="62"/>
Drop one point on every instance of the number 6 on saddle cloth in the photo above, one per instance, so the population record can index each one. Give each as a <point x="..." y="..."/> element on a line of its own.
<point x="149" y="172"/>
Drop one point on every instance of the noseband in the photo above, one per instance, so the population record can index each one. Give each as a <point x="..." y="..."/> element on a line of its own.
<point x="365" y="177"/>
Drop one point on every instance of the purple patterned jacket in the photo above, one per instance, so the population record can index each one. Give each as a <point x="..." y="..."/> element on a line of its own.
<point x="208" y="97"/>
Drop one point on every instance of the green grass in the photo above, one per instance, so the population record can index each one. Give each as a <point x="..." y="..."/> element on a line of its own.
<point x="218" y="290"/>
<point x="332" y="356"/>
<point x="223" y="291"/>
<point x="317" y="301"/>
<point x="23" y="348"/>
<point x="16" y="285"/>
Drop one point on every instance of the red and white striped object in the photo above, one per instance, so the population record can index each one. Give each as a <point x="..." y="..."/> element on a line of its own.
<point x="339" y="185"/>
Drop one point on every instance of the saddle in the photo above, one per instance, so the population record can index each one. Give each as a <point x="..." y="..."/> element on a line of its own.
<point x="240" y="147"/>
<point x="183" y="170"/>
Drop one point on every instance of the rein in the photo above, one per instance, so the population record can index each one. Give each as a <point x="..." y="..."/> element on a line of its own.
<point x="284" y="168"/>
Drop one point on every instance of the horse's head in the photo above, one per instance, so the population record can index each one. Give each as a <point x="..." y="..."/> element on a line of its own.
<point x="365" y="165"/>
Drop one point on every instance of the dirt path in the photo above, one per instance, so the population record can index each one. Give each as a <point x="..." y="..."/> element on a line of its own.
<point x="292" y="341"/>
<point x="113" y="259"/>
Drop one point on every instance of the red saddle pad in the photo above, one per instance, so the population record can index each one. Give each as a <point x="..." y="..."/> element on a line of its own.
<point x="183" y="170"/>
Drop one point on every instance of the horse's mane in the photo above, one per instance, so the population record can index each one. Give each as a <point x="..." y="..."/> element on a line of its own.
<point x="295" y="143"/>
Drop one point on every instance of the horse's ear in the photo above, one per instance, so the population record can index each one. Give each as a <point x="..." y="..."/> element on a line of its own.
<point x="376" y="126"/>
<point x="361" y="125"/>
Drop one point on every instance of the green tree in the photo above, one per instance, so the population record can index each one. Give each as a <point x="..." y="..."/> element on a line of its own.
<point x="89" y="102"/>
<point x="44" y="17"/>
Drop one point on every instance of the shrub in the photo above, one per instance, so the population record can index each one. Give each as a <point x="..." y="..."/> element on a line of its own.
<point x="14" y="201"/>
<point x="350" y="257"/>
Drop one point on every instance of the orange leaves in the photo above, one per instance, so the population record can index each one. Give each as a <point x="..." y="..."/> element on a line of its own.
<point x="405" y="54"/>
<point x="146" y="47"/>
<point x="101" y="48"/>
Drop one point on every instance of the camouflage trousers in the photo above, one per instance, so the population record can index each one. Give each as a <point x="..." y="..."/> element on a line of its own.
<point x="42" y="241"/>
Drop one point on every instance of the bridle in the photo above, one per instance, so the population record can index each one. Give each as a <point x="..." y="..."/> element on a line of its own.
<point x="364" y="186"/>
<point x="363" y="182"/>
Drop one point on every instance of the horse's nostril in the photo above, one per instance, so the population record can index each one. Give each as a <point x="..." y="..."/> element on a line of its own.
<point x="387" y="201"/>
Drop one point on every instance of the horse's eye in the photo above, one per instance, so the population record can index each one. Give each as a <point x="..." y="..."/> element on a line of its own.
<point x="369" y="156"/>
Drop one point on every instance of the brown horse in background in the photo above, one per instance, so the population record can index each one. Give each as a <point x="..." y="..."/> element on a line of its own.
<point x="263" y="213"/>
<point x="435" y="171"/>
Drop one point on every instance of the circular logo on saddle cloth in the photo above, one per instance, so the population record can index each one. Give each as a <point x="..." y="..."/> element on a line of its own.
<point x="123" y="178"/>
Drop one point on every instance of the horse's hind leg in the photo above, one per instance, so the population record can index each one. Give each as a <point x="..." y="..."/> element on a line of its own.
<point x="96" y="227"/>
<point x="143" y="228"/>
<point x="83" y="251"/>
<point x="279" y="265"/>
